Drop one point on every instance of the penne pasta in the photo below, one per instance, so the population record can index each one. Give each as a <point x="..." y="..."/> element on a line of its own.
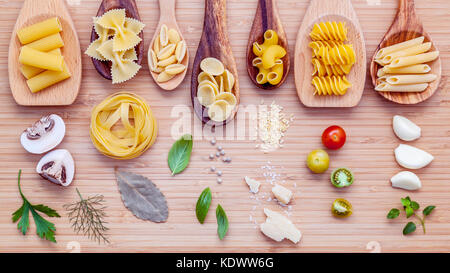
<point x="386" y="87"/>
<point x="410" y="79"/>
<point x="387" y="50"/>
<point x="410" y="51"/>
<point x="40" y="59"/>
<point x="413" y="69"/>
<point x="39" y="30"/>
<point x="47" y="43"/>
<point x="48" y="78"/>
<point x="381" y="72"/>
<point x="416" y="59"/>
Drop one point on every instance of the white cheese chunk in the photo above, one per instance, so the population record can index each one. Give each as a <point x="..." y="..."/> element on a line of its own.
<point x="252" y="184"/>
<point x="278" y="227"/>
<point x="282" y="194"/>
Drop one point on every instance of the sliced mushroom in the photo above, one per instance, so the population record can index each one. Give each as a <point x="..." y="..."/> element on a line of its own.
<point x="44" y="135"/>
<point x="57" y="166"/>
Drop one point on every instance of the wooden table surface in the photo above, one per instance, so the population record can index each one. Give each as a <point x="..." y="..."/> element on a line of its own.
<point x="368" y="151"/>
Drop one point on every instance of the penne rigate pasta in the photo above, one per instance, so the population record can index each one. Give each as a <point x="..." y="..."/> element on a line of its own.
<point x="412" y="69"/>
<point x="40" y="59"/>
<point x="387" y="50"/>
<point x="386" y="87"/>
<point x="410" y="51"/>
<point x="48" y="78"/>
<point x="381" y="72"/>
<point x="410" y="79"/>
<point x="47" y="43"/>
<point x="39" y="30"/>
<point x="417" y="59"/>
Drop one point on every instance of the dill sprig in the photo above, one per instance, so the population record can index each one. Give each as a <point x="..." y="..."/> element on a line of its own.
<point x="87" y="217"/>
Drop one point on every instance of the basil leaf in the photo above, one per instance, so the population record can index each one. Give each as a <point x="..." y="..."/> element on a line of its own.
<point x="406" y="201"/>
<point x="393" y="213"/>
<point x="180" y="154"/>
<point x="415" y="205"/>
<point x="409" y="228"/>
<point x="428" y="210"/>
<point x="203" y="203"/>
<point x="409" y="212"/>
<point x="222" y="222"/>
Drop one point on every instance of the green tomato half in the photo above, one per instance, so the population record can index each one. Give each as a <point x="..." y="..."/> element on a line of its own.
<point x="341" y="178"/>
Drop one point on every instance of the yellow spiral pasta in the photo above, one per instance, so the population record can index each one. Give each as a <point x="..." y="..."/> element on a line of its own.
<point x="338" y="55"/>
<point x="331" y="85"/>
<point x="319" y="46"/>
<point x="320" y="69"/>
<point x="123" y="126"/>
<point x="329" y="31"/>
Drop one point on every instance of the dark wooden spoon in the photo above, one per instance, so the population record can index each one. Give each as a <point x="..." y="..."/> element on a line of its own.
<point x="406" y="26"/>
<point x="214" y="43"/>
<point x="266" y="17"/>
<point x="104" y="68"/>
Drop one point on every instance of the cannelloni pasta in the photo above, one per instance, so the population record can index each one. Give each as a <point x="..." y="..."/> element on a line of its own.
<point x="48" y="78"/>
<point x="47" y="43"/>
<point x="41" y="59"/>
<point x="39" y="30"/>
<point x="30" y="71"/>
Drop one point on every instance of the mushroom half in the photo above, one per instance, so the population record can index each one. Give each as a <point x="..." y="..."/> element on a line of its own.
<point x="44" y="135"/>
<point x="57" y="166"/>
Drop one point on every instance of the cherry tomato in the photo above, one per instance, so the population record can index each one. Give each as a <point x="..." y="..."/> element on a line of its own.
<point x="318" y="161"/>
<point x="341" y="178"/>
<point x="341" y="208"/>
<point x="334" y="137"/>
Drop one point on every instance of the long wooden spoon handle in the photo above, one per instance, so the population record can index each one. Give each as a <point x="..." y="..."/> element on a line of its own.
<point x="167" y="10"/>
<point x="215" y="19"/>
<point x="269" y="12"/>
<point x="406" y="6"/>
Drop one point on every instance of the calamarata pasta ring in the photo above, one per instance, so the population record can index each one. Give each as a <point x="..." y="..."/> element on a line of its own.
<point x="123" y="126"/>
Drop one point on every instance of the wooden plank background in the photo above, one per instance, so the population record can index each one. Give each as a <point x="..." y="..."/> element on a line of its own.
<point x="368" y="152"/>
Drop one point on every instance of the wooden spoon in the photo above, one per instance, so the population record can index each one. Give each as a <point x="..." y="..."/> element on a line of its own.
<point x="214" y="43"/>
<point x="266" y="17"/>
<point x="167" y="17"/>
<point x="104" y="68"/>
<point x="322" y="11"/>
<point x="406" y="26"/>
<point x="63" y="93"/>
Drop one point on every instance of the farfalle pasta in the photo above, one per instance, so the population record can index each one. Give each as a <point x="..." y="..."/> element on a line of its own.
<point x="166" y="55"/>
<point x="332" y="58"/>
<point x="214" y="91"/>
<point x="268" y="59"/>
<point x="42" y="63"/>
<point x="118" y="36"/>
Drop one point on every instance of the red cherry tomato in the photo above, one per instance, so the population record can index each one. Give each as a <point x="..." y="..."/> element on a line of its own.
<point x="334" y="137"/>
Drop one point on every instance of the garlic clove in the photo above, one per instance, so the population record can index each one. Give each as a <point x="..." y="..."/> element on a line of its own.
<point x="411" y="157"/>
<point x="44" y="135"/>
<point x="406" y="180"/>
<point x="405" y="129"/>
<point x="57" y="166"/>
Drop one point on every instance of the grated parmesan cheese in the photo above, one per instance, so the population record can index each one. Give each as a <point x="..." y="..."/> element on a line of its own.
<point x="272" y="125"/>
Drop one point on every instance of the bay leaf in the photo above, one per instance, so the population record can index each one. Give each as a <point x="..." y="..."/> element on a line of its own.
<point x="142" y="197"/>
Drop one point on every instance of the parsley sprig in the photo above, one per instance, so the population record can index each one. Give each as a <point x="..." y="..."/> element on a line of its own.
<point x="410" y="207"/>
<point x="44" y="228"/>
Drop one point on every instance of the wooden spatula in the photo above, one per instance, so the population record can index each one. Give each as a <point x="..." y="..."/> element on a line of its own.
<point x="406" y="26"/>
<point x="266" y="17"/>
<point x="322" y="11"/>
<point x="63" y="93"/>
<point x="214" y="43"/>
<point x="167" y="17"/>
<point x="104" y="68"/>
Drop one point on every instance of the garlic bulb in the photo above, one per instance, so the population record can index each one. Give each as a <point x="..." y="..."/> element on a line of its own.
<point x="406" y="180"/>
<point x="411" y="157"/>
<point x="405" y="129"/>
